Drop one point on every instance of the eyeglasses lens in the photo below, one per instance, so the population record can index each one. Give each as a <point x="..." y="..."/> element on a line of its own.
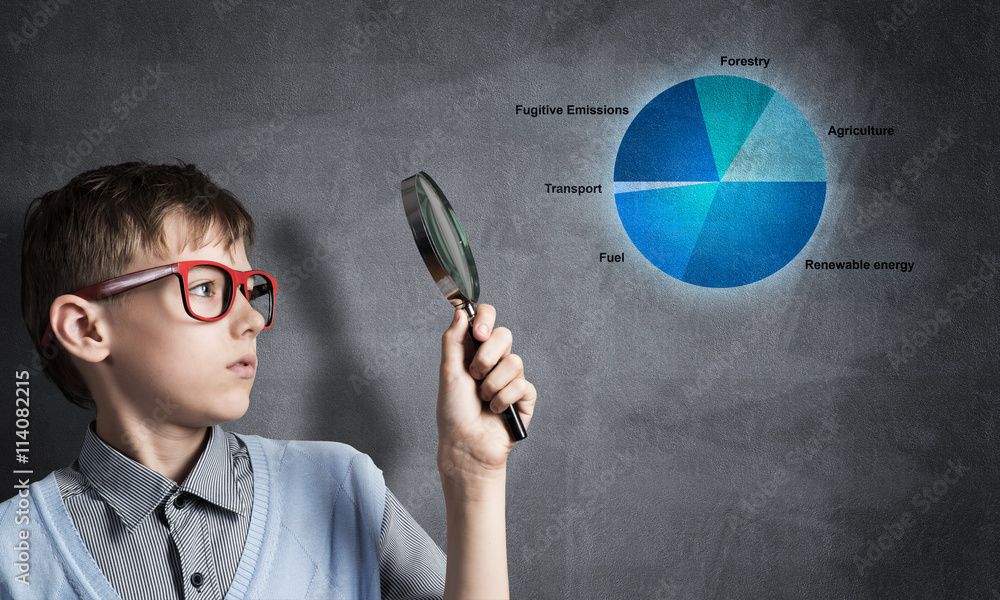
<point x="262" y="296"/>
<point x="210" y="289"/>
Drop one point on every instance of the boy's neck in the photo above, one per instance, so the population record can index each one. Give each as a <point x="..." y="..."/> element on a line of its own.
<point x="170" y="450"/>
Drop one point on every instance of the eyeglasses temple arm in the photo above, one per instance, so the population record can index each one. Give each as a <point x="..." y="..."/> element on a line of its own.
<point x="117" y="285"/>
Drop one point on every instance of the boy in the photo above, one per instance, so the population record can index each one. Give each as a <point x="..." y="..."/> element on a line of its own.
<point x="139" y="274"/>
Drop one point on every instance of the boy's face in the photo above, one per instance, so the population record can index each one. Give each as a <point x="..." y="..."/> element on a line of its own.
<point x="176" y="369"/>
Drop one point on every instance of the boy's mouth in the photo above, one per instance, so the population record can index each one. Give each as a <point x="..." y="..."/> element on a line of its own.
<point x="245" y="366"/>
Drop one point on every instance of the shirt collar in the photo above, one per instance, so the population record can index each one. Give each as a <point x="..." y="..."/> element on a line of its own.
<point x="133" y="490"/>
<point x="213" y="477"/>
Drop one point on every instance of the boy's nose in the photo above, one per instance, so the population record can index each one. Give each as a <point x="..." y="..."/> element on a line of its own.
<point x="243" y="308"/>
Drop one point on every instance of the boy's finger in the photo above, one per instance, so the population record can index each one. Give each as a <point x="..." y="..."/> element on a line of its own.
<point x="482" y="326"/>
<point x="507" y="370"/>
<point x="491" y="352"/>
<point x="519" y="391"/>
<point x="452" y="346"/>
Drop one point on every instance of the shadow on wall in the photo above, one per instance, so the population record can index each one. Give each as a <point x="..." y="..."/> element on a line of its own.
<point x="55" y="428"/>
<point x="334" y="409"/>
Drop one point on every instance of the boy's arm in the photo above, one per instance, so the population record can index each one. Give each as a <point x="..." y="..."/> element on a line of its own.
<point x="473" y="444"/>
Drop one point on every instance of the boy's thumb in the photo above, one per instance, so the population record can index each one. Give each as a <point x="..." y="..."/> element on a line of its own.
<point x="453" y="340"/>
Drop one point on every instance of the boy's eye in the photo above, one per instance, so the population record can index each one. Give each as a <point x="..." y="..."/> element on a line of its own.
<point x="205" y="289"/>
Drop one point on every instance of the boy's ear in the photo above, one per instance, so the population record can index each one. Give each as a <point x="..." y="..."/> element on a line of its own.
<point x="81" y="327"/>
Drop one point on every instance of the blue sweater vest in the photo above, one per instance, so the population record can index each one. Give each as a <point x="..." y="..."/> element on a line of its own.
<point x="314" y="531"/>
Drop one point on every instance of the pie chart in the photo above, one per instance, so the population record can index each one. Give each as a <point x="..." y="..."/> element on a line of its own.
<point x="720" y="181"/>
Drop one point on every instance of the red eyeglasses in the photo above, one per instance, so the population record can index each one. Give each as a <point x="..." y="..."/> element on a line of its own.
<point x="206" y="287"/>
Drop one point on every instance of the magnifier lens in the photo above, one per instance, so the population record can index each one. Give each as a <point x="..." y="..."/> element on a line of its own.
<point x="447" y="256"/>
<point x="447" y="237"/>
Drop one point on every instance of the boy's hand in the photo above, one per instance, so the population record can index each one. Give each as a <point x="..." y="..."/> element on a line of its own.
<point x="473" y="441"/>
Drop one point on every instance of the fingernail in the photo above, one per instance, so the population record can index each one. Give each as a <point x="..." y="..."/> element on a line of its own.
<point x="494" y="407"/>
<point x="483" y="329"/>
<point x="474" y="372"/>
<point x="482" y="395"/>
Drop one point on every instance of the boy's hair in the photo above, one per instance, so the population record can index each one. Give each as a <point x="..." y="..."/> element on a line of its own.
<point x="91" y="229"/>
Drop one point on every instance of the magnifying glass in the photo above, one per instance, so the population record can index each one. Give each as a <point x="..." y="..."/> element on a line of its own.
<point x="446" y="252"/>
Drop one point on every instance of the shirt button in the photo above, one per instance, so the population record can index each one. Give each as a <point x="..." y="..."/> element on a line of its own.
<point x="197" y="579"/>
<point x="179" y="502"/>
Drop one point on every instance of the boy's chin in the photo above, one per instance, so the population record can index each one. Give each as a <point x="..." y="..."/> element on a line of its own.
<point x="233" y="409"/>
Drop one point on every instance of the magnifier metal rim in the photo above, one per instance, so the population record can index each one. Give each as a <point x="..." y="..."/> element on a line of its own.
<point x="429" y="253"/>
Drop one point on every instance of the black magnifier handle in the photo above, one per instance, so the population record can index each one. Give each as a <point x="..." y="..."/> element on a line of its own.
<point x="510" y="415"/>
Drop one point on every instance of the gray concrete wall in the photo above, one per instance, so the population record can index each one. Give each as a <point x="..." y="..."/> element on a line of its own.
<point x="689" y="443"/>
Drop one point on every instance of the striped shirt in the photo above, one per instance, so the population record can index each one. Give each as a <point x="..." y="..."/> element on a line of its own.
<point x="154" y="539"/>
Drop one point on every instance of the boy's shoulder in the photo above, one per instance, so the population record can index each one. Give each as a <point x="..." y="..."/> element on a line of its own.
<point x="29" y="526"/>
<point x="308" y="458"/>
<point x="297" y="486"/>
<point x="322" y="448"/>
<point x="304" y="480"/>
<point x="296" y="458"/>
